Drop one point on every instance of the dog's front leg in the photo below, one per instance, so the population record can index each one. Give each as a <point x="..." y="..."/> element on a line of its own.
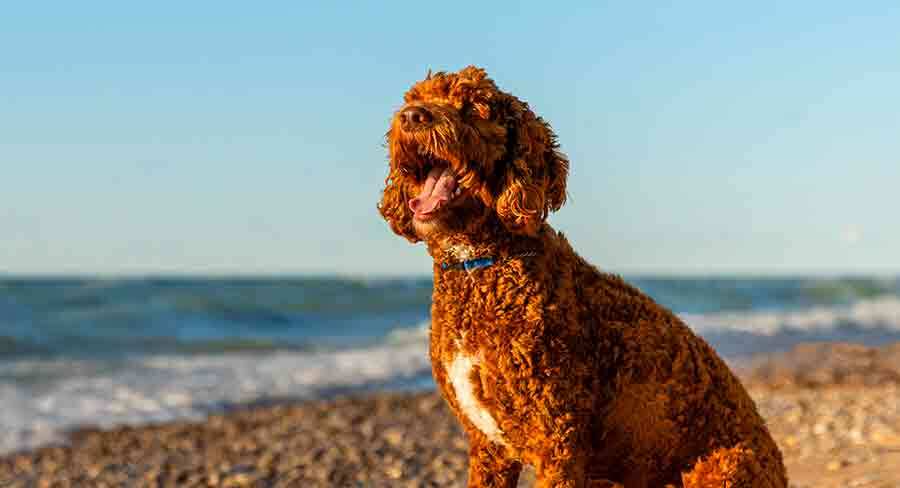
<point x="489" y="467"/>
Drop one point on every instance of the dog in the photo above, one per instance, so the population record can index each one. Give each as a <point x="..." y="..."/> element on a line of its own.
<point x="544" y="359"/>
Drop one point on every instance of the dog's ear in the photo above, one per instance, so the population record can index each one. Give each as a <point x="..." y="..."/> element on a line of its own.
<point x="533" y="176"/>
<point x="557" y="166"/>
<point x="393" y="206"/>
<point x="521" y="203"/>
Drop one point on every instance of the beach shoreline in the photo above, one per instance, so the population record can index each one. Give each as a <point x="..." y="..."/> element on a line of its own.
<point x="834" y="410"/>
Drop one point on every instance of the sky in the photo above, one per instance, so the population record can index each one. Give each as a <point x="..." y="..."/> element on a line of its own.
<point x="248" y="138"/>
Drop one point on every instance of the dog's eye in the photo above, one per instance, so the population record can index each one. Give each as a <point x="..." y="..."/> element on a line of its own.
<point x="415" y="173"/>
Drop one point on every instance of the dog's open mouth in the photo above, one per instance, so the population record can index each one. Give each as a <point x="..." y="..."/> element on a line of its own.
<point x="439" y="190"/>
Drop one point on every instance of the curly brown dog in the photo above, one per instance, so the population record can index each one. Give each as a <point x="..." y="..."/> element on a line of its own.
<point x="544" y="359"/>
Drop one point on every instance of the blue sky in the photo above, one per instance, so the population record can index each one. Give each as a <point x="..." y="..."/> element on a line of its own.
<point x="219" y="137"/>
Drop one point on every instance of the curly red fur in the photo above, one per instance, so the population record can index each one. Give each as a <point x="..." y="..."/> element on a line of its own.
<point x="546" y="360"/>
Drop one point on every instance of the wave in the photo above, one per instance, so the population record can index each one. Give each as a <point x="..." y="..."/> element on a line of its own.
<point x="48" y="397"/>
<point x="740" y="335"/>
<point x="876" y="313"/>
<point x="708" y="295"/>
<point x="87" y="318"/>
<point x="240" y="299"/>
<point x="410" y="335"/>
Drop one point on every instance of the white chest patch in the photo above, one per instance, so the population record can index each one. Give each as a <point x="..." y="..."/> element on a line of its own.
<point x="459" y="372"/>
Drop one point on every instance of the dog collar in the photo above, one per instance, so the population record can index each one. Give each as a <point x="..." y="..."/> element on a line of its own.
<point x="483" y="262"/>
<point x="469" y="265"/>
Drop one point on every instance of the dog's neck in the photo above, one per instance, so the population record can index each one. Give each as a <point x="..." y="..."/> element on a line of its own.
<point x="495" y="242"/>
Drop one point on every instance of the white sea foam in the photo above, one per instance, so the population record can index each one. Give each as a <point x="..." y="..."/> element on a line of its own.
<point x="407" y="335"/>
<point x="881" y="312"/>
<point x="164" y="388"/>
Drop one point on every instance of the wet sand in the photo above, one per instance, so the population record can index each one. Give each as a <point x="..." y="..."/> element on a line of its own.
<point x="834" y="410"/>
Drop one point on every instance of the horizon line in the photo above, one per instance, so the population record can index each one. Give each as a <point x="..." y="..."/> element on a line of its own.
<point x="311" y="274"/>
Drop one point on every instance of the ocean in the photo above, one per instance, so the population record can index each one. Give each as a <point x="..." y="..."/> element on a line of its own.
<point x="108" y="352"/>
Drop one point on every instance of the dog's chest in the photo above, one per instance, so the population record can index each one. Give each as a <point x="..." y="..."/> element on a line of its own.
<point x="464" y="380"/>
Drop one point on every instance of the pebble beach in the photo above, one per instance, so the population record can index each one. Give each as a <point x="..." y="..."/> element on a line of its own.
<point x="833" y="408"/>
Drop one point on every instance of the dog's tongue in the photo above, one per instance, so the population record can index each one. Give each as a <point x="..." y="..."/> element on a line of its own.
<point x="436" y="191"/>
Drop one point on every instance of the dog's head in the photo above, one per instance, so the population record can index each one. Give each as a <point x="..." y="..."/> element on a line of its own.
<point x="462" y="151"/>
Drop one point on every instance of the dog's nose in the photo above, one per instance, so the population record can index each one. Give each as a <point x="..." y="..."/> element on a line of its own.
<point x="413" y="117"/>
